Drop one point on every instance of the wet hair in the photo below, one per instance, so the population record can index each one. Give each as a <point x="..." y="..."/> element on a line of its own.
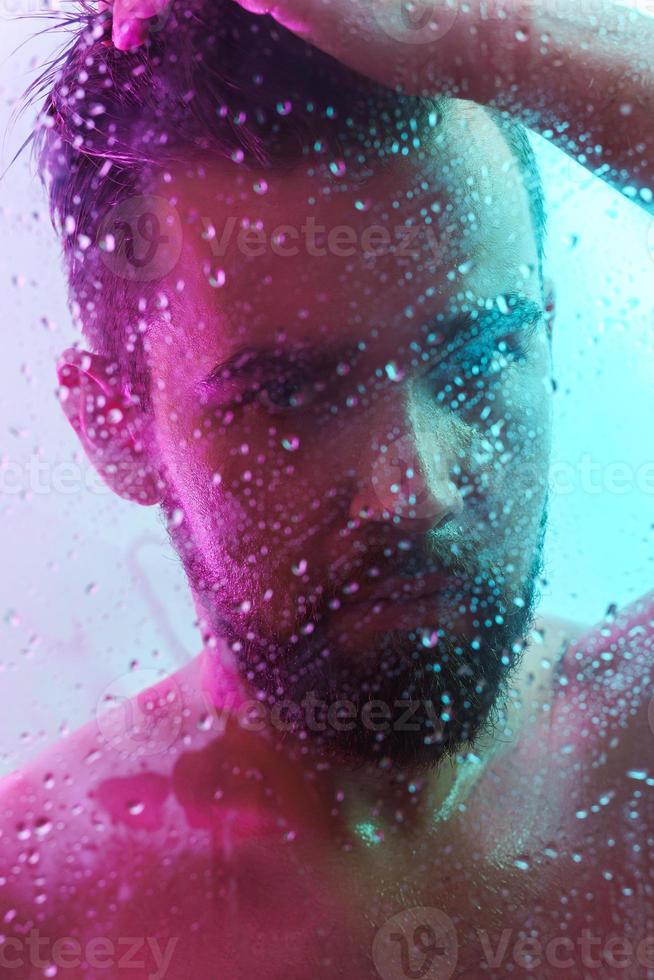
<point x="210" y="79"/>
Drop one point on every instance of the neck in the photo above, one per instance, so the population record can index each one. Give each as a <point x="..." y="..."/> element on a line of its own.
<point x="360" y="803"/>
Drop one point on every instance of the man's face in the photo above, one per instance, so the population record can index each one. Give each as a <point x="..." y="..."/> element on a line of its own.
<point x="355" y="406"/>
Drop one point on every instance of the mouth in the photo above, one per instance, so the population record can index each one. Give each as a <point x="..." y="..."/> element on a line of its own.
<point x="401" y="589"/>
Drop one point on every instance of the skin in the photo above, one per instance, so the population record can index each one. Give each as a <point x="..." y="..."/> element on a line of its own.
<point x="582" y="77"/>
<point x="273" y="542"/>
<point x="247" y="846"/>
<point x="339" y="522"/>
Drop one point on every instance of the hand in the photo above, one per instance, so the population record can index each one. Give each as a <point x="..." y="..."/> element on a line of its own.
<point x="130" y="20"/>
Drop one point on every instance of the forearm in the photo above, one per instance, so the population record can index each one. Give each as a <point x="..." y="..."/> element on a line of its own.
<point x="581" y="74"/>
<point x="578" y="71"/>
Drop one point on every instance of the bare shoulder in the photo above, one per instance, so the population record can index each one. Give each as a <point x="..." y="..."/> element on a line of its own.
<point x="589" y="719"/>
<point x="604" y="701"/>
<point x="610" y="665"/>
<point x="163" y="797"/>
<point x="88" y="820"/>
<point x="134" y="736"/>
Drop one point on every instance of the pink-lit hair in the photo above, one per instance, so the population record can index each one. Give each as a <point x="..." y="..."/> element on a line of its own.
<point x="210" y="79"/>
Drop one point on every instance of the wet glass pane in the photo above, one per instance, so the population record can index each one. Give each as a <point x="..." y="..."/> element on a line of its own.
<point x="326" y="476"/>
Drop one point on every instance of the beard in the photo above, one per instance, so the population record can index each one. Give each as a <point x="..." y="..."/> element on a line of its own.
<point x="409" y="697"/>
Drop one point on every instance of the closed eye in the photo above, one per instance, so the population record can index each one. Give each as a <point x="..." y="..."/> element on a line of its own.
<point x="287" y="394"/>
<point x="489" y="352"/>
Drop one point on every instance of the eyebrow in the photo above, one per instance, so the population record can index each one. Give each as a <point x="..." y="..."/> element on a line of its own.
<point x="251" y="361"/>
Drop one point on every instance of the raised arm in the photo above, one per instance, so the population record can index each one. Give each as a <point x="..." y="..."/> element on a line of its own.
<point x="580" y="72"/>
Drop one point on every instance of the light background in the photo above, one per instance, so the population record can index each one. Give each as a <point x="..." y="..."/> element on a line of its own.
<point x="90" y="589"/>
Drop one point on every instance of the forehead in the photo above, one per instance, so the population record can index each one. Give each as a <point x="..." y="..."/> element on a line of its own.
<point x="340" y="247"/>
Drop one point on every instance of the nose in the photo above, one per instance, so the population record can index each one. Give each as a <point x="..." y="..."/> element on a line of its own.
<point x="408" y="482"/>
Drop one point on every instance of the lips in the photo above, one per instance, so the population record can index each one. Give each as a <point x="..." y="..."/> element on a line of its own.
<point x="402" y="589"/>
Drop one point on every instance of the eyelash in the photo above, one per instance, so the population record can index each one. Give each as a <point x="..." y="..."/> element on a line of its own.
<point x="517" y="346"/>
<point x="517" y="351"/>
<point x="261" y="393"/>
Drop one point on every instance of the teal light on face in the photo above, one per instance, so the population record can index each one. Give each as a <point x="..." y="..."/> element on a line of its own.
<point x="369" y="833"/>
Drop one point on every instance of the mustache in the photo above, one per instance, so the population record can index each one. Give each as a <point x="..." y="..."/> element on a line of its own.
<point x="447" y="552"/>
<point x="452" y="554"/>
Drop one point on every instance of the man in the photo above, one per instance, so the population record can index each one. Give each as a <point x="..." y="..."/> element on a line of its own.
<point x="320" y="339"/>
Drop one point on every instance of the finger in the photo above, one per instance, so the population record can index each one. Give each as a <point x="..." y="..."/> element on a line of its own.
<point x="130" y="28"/>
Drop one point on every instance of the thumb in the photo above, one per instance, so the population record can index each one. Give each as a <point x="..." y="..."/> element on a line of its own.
<point x="130" y="28"/>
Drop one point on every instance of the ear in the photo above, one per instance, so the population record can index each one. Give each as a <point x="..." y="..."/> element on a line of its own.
<point x="115" y="432"/>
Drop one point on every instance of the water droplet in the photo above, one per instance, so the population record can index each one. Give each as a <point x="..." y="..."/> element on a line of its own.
<point x="393" y="372"/>
<point x="136" y="807"/>
<point x="636" y="774"/>
<point x="218" y="279"/>
<point x="176" y="517"/>
<point x="338" y="167"/>
<point x="42" y="826"/>
<point x="291" y="443"/>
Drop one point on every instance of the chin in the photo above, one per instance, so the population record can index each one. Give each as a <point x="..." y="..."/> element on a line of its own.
<point x="396" y="697"/>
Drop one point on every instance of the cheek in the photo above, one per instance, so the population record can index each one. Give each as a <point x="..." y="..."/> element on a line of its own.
<point x="509" y="465"/>
<point x="246" y="479"/>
